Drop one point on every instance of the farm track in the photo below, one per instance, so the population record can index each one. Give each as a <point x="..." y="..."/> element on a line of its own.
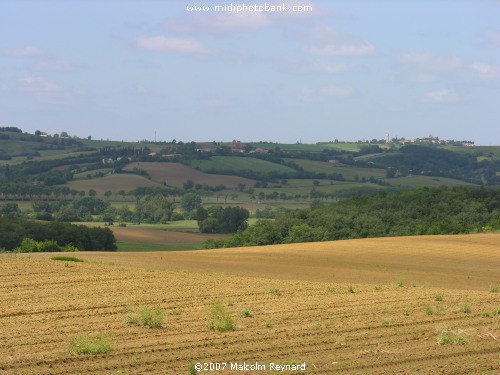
<point x="381" y="328"/>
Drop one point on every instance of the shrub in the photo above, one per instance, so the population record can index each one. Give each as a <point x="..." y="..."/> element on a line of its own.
<point x="152" y="317"/>
<point x="429" y="310"/>
<point x="494" y="289"/>
<point x="132" y="320"/>
<point x="447" y="337"/>
<point x="247" y="314"/>
<point x="192" y="369"/>
<point x="29" y="245"/>
<point x="465" y="308"/>
<point x="400" y="283"/>
<point x="220" y="320"/>
<point x="85" y="344"/>
<point x="491" y="314"/>
<point x="439" y="298"/>
<point x="274" y="291"/>
<point x="350" y="289"/>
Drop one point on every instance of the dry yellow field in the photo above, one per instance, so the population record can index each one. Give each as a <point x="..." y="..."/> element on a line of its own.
<point x="328" y="305"/>
<point x="156" y="236"/>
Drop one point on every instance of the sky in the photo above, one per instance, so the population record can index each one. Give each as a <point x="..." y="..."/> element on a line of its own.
<point x="346" y="69"/>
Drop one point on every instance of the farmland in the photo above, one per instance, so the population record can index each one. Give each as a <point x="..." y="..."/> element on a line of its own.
<point x="114" y="183"/>
<point x="231" y="163"/>
<point x="174" y="174"/>
<point x="364" y="306"/>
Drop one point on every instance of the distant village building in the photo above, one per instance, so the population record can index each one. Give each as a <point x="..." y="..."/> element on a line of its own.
<point x="259" y="150"/>
<point x="236" y="147"/>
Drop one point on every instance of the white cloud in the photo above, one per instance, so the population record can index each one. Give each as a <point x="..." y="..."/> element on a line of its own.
<point x="28" y="51"/>
<point x="442" y="96"/>
<point x="230" y="21"/>
<point x="329" y="68"/>
<point x="43" y="89"/>
<point x="364" y="49"/>
<point x="218" y="23"/>
<point x="170" y="44"/>
<point x="428" y="61"/>
<point x="486" y="71"/>
<point x="39" y="85"/>
<point x="325" y="41"/>
<point x="326" y="92"/>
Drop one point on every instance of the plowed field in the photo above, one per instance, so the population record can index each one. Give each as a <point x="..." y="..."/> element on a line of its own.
<point x="334" y="327"/>
<point x="174" y="174"/>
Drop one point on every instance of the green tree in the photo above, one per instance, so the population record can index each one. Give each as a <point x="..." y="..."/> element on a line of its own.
<point x="154" y="209"/>
<point x="190" y="202"/>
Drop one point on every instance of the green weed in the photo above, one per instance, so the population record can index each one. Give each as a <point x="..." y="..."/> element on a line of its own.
<point x="85" y="344"/>
<point x="152" y="317"/>
<point x="465" y="308"/>
<point x="447" y="337"/>
<point x="220" y="320"/>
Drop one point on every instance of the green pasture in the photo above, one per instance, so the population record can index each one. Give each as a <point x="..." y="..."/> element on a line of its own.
<point x="486" y="150"/>
<point x="419" y="181"/>
<point x="304" y="187"/>
<point x="91" y="173"/>
<point x="349" y="172"/>
<point x="235" y="163"/>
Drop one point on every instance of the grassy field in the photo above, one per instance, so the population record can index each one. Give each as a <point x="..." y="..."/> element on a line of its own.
<point x="349" y="172"/>
<point x="418" y="181"/>
<point x="91" y="173"/>
<point x="113" y="183"/>
<point x="304" y="187"/>
<point x="239" y="163"/>
<point x="407" y="305"/>
<point x="174" y="174"/>
<point x="316" y="147"/>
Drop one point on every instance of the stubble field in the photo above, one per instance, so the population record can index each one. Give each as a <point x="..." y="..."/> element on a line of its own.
<point x="315" y="303"/>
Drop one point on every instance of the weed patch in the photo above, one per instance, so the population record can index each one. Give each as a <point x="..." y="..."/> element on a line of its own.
<point x="448" y="337"/>
<point x="220" y="320"/>
<point x="247" y="314"/>
<point x="151" y="317"/>
<point x="85" y="344"/>
<point x="465" y="308"/>
<point x="274" y="291"/>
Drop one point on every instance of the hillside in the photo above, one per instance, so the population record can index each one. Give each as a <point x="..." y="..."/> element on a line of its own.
<point x="456" y="262"/>
<point x="174" y="174"/>
<point x="407" y="305"/>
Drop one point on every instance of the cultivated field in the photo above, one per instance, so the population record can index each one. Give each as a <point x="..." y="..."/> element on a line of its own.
<point x="232" y="163"/>
<point x="349" y="172"/>
<point x="175" y="174"/>
<point x="364" y="306"/>
<point x="114" y="183"/>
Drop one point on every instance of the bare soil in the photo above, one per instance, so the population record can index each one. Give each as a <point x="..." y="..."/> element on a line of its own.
<point x="328" y="305"/>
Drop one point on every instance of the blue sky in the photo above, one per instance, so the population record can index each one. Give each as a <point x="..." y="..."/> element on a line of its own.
<point x="348" y="70"/>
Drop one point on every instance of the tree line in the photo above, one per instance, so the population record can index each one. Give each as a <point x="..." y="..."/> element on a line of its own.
<point x="419" y="212"/>
<point x="13" y="230"/>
